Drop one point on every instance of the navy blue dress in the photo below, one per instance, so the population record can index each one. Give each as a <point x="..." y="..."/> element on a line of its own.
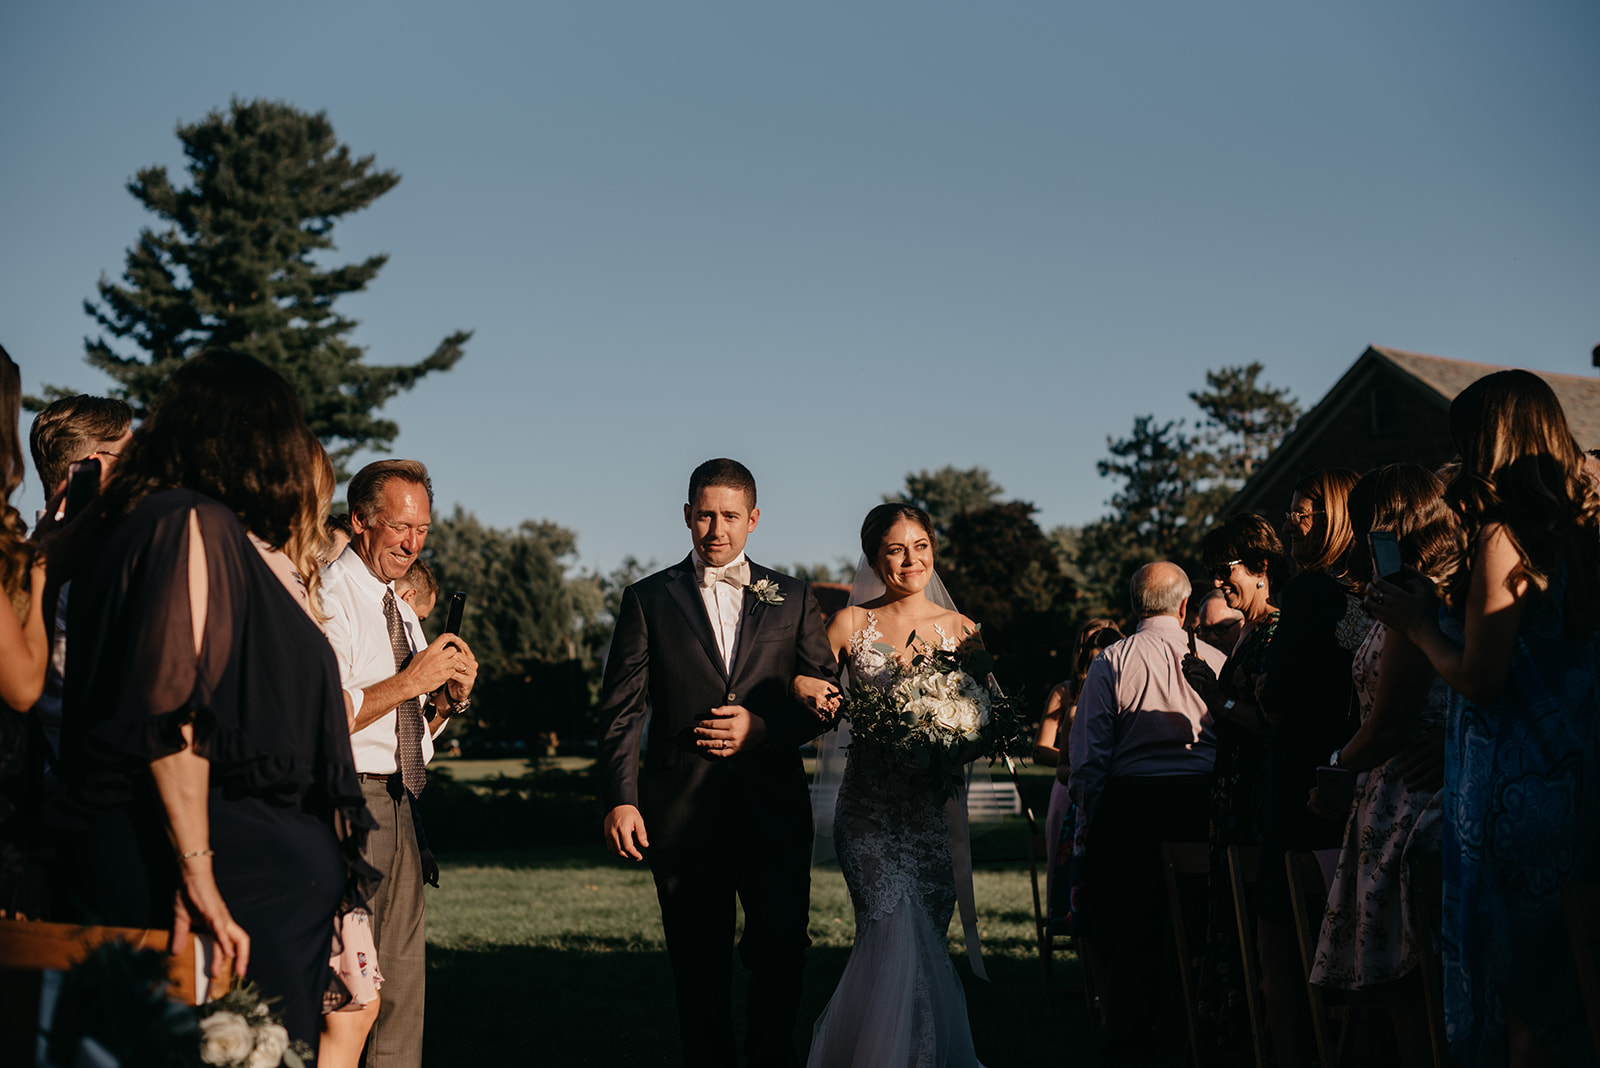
<point x="1522" y="816"/>
<point x="267" y="713"/>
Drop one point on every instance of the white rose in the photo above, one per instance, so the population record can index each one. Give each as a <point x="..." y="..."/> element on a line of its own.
<point x="225" y="1038"/>
<point x="270" y="1046"/>
<point x="955" y="716"/>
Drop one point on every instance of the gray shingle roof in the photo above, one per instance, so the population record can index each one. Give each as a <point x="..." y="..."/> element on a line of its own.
<point x="1579" y="394"/>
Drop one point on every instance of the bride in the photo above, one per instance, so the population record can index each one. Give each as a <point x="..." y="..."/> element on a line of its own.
<point x="899" y="1001"/>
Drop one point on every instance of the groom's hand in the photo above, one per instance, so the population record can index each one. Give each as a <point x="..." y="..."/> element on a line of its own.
<point x="624" y="828"/>
<point x="729" y="730"/>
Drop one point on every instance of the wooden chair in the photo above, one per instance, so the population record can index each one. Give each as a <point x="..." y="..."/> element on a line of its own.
<point x="1581" y="902"/>
<point x="1427" y="884"/>
<point x="1308" y="894"/>
<point x="1180" y="859"/>
<point x="1243" y="873"/>
<point x="28" y="948"/>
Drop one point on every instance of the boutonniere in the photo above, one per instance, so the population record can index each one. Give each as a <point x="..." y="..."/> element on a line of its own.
<point x="766" y="591"/>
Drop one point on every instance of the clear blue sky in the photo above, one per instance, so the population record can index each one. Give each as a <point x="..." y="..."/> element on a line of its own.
<point x="844" y="241"/>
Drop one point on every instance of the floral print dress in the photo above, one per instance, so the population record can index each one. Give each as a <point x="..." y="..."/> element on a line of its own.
<point x="1369" y="931"/>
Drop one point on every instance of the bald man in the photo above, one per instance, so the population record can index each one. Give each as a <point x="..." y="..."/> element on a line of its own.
<point x="1142" y="750"/>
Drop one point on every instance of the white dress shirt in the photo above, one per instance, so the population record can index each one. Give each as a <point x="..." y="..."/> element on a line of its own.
<point x="725" y="606"/>
<point x="353" y="599"/>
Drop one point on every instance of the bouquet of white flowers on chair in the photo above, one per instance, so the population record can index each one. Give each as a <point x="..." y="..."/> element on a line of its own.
<point x="937" y="714"/>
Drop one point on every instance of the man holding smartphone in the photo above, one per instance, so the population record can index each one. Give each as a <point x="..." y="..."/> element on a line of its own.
<point x="390" y="674"/>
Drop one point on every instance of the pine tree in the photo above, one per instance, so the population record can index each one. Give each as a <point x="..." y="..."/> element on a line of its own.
<point x="242" y="263"/>
<point x="1245" y="420"/>
<point x="1175" y="483"/>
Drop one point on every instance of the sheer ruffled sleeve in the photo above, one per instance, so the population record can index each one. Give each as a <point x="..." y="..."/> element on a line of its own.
<point x="146" y="680"/>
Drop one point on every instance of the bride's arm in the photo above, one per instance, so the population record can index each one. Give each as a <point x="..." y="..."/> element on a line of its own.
<point x="821" y="696"/>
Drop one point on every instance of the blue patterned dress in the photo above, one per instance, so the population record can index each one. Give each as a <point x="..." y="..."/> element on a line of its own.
<point x="1522" y="816"/>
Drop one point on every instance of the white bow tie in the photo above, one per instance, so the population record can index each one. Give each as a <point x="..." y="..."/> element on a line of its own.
<point x="736" y="574"/>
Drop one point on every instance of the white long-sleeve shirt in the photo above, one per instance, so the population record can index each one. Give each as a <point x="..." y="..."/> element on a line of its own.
<point x="1138" y="715"/>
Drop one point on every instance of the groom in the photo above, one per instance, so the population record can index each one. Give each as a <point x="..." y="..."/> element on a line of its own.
<point x="707" y="651"/>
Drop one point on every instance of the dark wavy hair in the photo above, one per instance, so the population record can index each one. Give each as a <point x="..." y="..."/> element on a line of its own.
<point x="16" y="554"/>
<point x="1521" y="467"/>
<point x="1407" y="499"/>
<point x="876" y="527"/>
<point x="1253" y="541"/>
<point x="1328" y="491"/>
<point x="1095" y="635"/>
<point x="228" y="426"/>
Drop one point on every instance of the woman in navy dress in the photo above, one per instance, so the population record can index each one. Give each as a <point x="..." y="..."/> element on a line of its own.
<point x="204" y="739"/>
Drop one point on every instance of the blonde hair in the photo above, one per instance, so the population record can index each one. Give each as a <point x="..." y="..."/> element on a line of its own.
<point x="308" y="542"/>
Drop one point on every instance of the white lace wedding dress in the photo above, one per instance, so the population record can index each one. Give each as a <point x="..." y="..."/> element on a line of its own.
<point x="899" y="1002"/>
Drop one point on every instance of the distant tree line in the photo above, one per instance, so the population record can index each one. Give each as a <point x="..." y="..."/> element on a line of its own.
<point x="240" y="259"/>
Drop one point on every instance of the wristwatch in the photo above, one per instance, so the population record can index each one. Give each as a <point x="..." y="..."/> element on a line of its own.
<point x="458" y="707"/>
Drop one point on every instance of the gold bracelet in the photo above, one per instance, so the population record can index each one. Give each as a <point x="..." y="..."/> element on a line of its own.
<point x="197" y="853"/>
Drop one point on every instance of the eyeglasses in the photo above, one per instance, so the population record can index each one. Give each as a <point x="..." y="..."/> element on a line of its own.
<point x="1222" y="571"/>
<point x="1301" y="517"/>
<point x="1212" y="629"/>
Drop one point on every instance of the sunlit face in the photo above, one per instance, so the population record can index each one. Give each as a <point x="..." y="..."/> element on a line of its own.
<point x="720" y="519"/>
<point x="1239" y="587"/>
<point x="1304" y="528"/>
<point x="390" y="545"/>
<point x="905" y="558"/>
<point x="1218" y="625"/>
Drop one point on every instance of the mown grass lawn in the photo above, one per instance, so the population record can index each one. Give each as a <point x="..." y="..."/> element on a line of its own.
<point x="555" y="956"/>
<point x="545" y="950"/>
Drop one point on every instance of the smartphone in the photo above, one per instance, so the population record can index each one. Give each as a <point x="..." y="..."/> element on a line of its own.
<point x="1386" y="563"/>
<point x="452" y="625"/>
<point x="1192" y="650"/>
<point x="1336" y="787"/>
<point x="452" y="619"/>
<point x="83" y="486"/>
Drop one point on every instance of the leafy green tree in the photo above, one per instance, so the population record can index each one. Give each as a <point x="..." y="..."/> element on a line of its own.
<point x="241" y="261"/>
<point x="529" y="624"/>
<point x="1003" y="572"/>
<point x="949" y="492"/>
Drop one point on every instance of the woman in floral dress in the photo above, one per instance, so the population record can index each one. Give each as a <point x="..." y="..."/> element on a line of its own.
<point x="1369" y="934"/>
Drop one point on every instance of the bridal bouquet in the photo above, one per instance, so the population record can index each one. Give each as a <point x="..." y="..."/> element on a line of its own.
<point x="113" y="1009"/>
<point x="938" y="714"/>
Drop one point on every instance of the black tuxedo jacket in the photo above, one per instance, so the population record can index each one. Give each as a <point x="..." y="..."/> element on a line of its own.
<point x="664" y="660"/>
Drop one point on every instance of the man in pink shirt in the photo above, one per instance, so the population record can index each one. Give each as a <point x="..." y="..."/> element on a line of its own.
<point x="1142" y="751"/>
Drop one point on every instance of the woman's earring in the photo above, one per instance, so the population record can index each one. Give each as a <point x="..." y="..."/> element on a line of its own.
<point x="1259" y="585"/>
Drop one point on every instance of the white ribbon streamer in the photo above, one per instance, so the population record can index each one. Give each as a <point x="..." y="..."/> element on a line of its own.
<point x="955" y="811"/>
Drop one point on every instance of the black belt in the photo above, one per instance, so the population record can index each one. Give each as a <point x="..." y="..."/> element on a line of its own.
<point x="367" y="776"/>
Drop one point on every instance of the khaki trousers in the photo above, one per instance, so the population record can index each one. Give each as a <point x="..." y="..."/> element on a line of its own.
<point x="398" y="929"/>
